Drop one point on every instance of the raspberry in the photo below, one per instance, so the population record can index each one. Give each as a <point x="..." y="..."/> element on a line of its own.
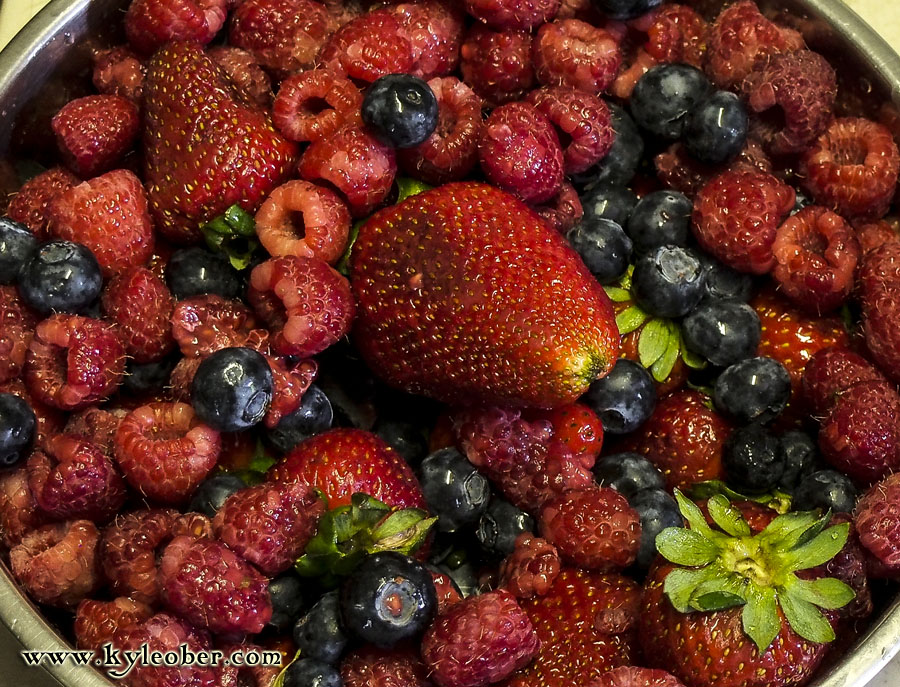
<point x="451" y="152"/>
<point x="519" y="152"/>
<point x="354" y="162"/>
<point x="563" y="211"/>
<point x="19" y="512"/>
<point x="815" y="258"/>
<point x="531" y="568"/>
<point x="181" y="377"/>
<point x="283" y="35"/>
<point x="56" y="564"/>
<point x="593" y="528"/>
<point x="290" y="380"/>
<point x="628" y="76"/>
<point x="314" y="104"/>
<point x="73" y="361"/>
<point x="497" y="65"/>
<point x="209" y="585"/>
<point x="71" y="478"/>
<point x="852" y="168"/>
<point x="368" y="47"/>
<point x="31" y="205"/>
<point x="478" y="641"/>
<point x="269" y="524"/>
<point x="736" y="216"/>
<point x="445" y="588"/>
<point x="878" y="521"/>
<point x="434" y="30"/>
<point x="205" y="324"/>
<point x="578" y="428"/>
<point x="573" y="53"/>
<point x="165" y="452"/>
<point x="96" y="622"/>
<point x="141" y="306"/>
<point x="370" y="666"/>
<point x="119" y="71"/>
<point x="872" y="235"/>
<point x="152" y="23"/>
<point x="16" y="330"/>
<point x="512" y="14"/>
<point x="245" y="73"/>
<point x="803" y="86"/>
<point x="832" y="371"/>
<point x="630" y="676"/>
<point x="97" y="425"/>
<point x="94" y="132"/>
<point x="49" y="420"/>
<point x="879" y="293"/>
<point x="109" y="215"/>
<point x="681" y="171"/>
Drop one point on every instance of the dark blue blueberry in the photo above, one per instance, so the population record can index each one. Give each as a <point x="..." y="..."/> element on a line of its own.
<point x="196" y="271"/>
<point x="657" y="511"/>
<point x="232" y="389"/>
<point x="286" y="595"/>
<point x="401" y="109"/>
<point x="800" y="457"/>
<point x="307" y="672"/>
<point x="388" y="599"/>
<point x="753" y="390"/>
<point x="723" y="332"/>
<point x="663" y="97"/>
<point x="213" y="491"/>
<point x="501" y="523"/>
<point x="454" y="490"/>
<point x="628" y="473"/>
<point x="464" y="576"/>
<point x="146" y="378"/>
<point x="17" y="425"/>
<point x="320" y="634"/>
<point x="724" y="282"/>
<point x="61" y="276"/>
<point x="623" y="158"/>
<point x="624" y="398"/>
<point x="668" y="281"/>
<point x="626" y="9"/>
<point x="614" y="203"/>
<point x="660" y="218"/>
<point x="406" y="438"/>
<point x="752" y="459"/>
<point x="825" y="489"/>
<point x="17" y="244"/>
<point x="604" y="247"/>
<point x="716" y="129"/>
<point x="312" y="417"/>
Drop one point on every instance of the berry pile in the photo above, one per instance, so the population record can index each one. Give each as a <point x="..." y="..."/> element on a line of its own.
<point x="438" y="344"/>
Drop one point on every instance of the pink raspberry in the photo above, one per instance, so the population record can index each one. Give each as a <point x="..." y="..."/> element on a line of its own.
<point x="312" y="105"/>
<point x="434" y="29"/>
<point x="245" y="73"/>
<point x="679" y="170"/>
<point x="368" y="47"/>
<point x="205" y="324"/>
<point x="832" y="371"/>
<point x="512" y="14"/>
<point x="94" y="132"/>
<point x="96" y="622"/>
<point x="872" y="235"/>
<point x="878" y="287"/>
<point x="369" y="666"/>
<point x="152" y="23"/>
<point x="531" y="568"/>
<point x="119" y="71"/>
<point x="877" y="519"/>
<point x="19" y="512"/>
<point x="563" y="211"/>
<point x="290" y="380"/>
<point x="16" y="331"/>
<point x="631" y="676"/>
<point x="574" y="53"/>
<point x="31" y="205"/>
<point x="497" y="65"/>
<point x="140" y="305"/>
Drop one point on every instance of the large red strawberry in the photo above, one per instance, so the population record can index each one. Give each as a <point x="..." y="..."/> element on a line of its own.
<point x="465" y="294"/>
<point x="205" y="147"/>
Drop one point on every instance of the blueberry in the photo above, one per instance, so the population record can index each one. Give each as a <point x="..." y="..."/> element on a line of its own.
<point x="657" y="511"/>
<point x="196" y="271"/>
<point x="401" y="109"/>
<point x="17" y="425"/>
<point x="61" y="276"/>
<point x="624" y="398"/>
<point x="716" y="129"/>
<point x="146" y="378"/>
<point x="752" y="459"/>
<point x="825" y="489"/>
<point x="454" y="490"/>
<point x="313" y="416"/>
<point x="286" y="595"/>
<point x="663" y="97"/>
<point x="723" y="332"/>
<point x="614" y="203"/>
<point x="320" y="633"/>
<point x="464" y="576"/>
<point x="756" y="389"/>
<point x="604" y="247"/>
<point x="668" y="281"/>
<point x="406" y="438"/>
<point x="501" y="523"/>
<point x="800" y="457"/>
<point x="623" y="158"/>
<point x="213" y="491"/>
<point x="307" y="672"/>
<point x="628" y="473"/>
<point x="724" y="282"/>
<point x="626" y="9"/>
<point x="389" y="598"/>
<point x="17" y="245"/>
<point x="660" y="218"/>
<point x="232" y="389"/>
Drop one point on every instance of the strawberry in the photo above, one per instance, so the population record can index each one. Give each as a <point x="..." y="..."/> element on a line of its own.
<point x="442" y="310"/>
<point x="199" y="134"/>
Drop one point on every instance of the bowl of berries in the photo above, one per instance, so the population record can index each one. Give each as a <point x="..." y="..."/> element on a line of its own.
<point x="450" y="344"/>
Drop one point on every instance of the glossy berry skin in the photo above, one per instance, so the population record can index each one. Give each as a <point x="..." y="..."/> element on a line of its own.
<point x="628" y="473"/>
<point x="17" y="244"/>
<point x="724" y="283"/>
<point x="660" y="218"/>
<point x="402" y="110"/>
<point x="196" y="271"/>
<point x="826" y="489"/>
<point x="61" y="276"/>
<point x="657" y="511"/>
<point x="454" y="490"/>
<point x="626" y="9"/>
<point x="389" y="598"/>
<point x="406" y="438"/>
<point x="286" y="593"/>
<point x="716" y="128"/>
<point x="664" y="96"/>
<point x="604" y="247"/>
<point x="722" y="331"/>
<point x="753" y="459"/>
<point x="623" y="158"/>
<point x="145" y="378"/>
<point x="753" y="390"/>
<point x="500" y="526"/>
<point x="668" y="281"/>
<point x="800" y="458"/>
<point x="307" y="672"/>
<point x="212" y="492"/>
<point x="877" y="523"/>
<point x="624" y="399"/>
<point x="320" y="634"/>
<point x="232" y="389"/>
<point x="314" y="415"/>
<point x="612" y="202"/>
<point x="17" y="425"/>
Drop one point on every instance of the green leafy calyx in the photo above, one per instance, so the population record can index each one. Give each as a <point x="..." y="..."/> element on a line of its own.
<point x="234" y="234"/>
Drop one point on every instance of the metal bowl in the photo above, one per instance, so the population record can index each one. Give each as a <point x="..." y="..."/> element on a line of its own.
<point x="46" y="64"/>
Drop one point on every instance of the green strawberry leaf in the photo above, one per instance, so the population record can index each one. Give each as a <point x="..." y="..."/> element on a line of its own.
<point x="233" y="233"/>
<point x="653" y="341"/>
<point x="691" y="359"/>
<point x="778" y="501"/>
<point x="343" y="264"/>
<point x="630" y="319"/>
<point x="407" y="186"/>
<point x="686" y="547"/>
<point x="821" y="549"/>
<point x="725" y="590"/>
<point x="825" y="592"/>
<point x="806" y="620"/>
<point x="727" y="516"/>
<point x="680" y="584"/>
<point x="716" y="601"/>
<point x="617" y="294"/>
<point x="760" y="616"/>
<point x="279" y="679"/>
<point x="695" y="517"/>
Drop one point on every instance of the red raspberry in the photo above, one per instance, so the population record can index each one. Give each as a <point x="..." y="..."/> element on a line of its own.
<point x="480" y="640"/>
<point x="165" y="452"/>
<point x="73" y="362"/>
<point x="629" y="75"/>
<point x="354" y="162"/>
<point x="370" y="666"/>
<point x="852" y="168"/>
<point x="446" y="589"/>
<point x="679" y="170"/>
<point x="434" y="29"/>
<point x="593" y="528"/>
<point x="152" y="23"/>
<point x="314" y="104"/>
<point x="861" y="436"/>
<point x="815" y="258"/>
<point x="16" y="330"/>
<point x="209" y="585"/>
<point x="141" y="306"/>
<point x="578" y="428"/>
<point x="119" y="71"/>
<point x="512" y="14"/>
<point x="245" y="73"/>
<point x="96" y="622"/>
<point x="97" y="425"/>
<point x="740" y="36"/>
<point x="451" y="152"/>
<point x="630" y="676"/>
<point x="832" y="371"/>
<point x="290" y="380"/>
<point x="497" y="65"/>
<point x="109" y="215"/>
<point x="71" y="478"/>
<point x="563" y="211"/>
<point x="283" y="35"/>
<point x="879" y="293"/>
<point x="877" y="520"/>
<point x="205" y="324"/>
<point x="368" y="47"/>
<point x="574" y="53"/>
<point x="181" y="377"/>
<point x="19" y="512"/>
<point x="531" y="568"/>
<point x="872" y="235"/>
<point x="31" y="205"/>
<point x="56" y="564"/>
<point x="736" y="217"/>
<point x="49" y="420"/>
<point x="519" y="152"/>
<point x="94" y="132"/>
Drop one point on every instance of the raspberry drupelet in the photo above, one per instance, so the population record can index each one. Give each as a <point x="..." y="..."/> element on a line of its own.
<point x="573" y="53"/>
<point x="497" y="64"/>
<point x="312" y="105"/>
